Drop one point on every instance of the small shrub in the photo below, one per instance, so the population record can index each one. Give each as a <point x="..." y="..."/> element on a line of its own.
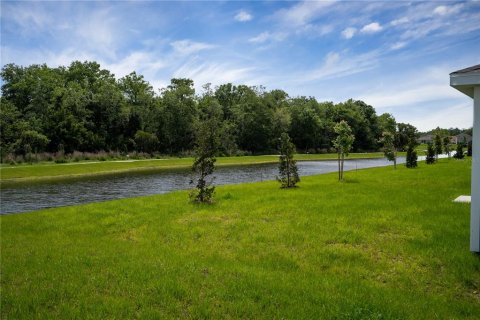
<point x="288" y="172"/>
<point x="459" y="152"/>
<point x="411" y="161"/>
<point x="430" y="154"/>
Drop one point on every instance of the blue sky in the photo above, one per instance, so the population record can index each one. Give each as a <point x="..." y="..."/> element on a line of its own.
<point x="394" y="55"/>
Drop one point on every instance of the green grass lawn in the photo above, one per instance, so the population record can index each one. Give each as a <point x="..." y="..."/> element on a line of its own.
<point x="386" y="244"/>
<point x="49" y="170"/>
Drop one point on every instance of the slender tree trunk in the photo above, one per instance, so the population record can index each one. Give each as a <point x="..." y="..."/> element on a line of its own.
<point x="343" y="161"/>
<point x="288" y="173"/>
<point x="395" y="159"/>
<point x="339" y="175"/>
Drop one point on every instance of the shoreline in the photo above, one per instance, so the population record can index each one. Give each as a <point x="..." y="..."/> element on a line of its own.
<point x="227" y="161"/>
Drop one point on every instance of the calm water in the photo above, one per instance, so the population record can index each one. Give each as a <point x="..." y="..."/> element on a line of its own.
<point x="32" y="196"/>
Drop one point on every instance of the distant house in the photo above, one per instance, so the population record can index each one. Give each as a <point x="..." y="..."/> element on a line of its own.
<point x="461" y="138"/>
<point x="428" y="138"/>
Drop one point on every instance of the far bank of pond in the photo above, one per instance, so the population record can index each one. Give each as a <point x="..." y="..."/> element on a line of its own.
<point x="34" y="195"/>
<point x="50" y="171"/>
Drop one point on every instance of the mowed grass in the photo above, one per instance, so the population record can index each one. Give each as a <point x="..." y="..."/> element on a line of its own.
<point x="386" y="244"/>
<point x="52" y="171"/>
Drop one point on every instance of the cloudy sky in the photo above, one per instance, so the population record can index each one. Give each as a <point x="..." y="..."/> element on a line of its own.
<point x="394" y="55"/>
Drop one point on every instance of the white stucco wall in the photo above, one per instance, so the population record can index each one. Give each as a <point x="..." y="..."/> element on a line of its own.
<point x="475" y="205"/>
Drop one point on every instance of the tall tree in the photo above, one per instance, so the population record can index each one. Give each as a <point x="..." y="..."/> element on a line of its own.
<point x="180" y="115"/>
<point x="459" y="152"/>
<point x="306" y="127"/>
<point x="287" y="169"/>
<point x="446" y="145"/>
<point x="430" y="154"/>
<point x="343" y="143"/>
<point x="437" y="146"/>
<point x="389" y="150"/>
<point x="206" y="146"/>
<point x="406" y="135"/>
<point x="411" y="160"/>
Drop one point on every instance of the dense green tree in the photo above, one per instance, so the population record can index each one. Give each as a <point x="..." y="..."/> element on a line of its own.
<point x="30" y="141"/>
<point x="254" y="122"/>
<point x="206" y="146"/>
<point x="180" y="115"/>
<point x="406" y="135"/>
<point x="287" y="169"/>
<point x="459" y="152"/>
<point x="386" y="122"/>
<point x="83" y="107"/>
<point x="430" y="159"/>
<point x="437" y="145"/>
<point x="146" y="141"/>
<point x="389" y="150"/>
<point x="411" y="159"/>
<point x="10" y="126"/>
<point x="306" y="126"/>
<point x="343" y="143"/>
<point x="446" y="145"/>
<point x="139" y="97"/>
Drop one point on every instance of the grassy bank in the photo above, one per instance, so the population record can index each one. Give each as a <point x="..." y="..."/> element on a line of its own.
<point x="387" y="244"/>
<point x="51" y="171"/>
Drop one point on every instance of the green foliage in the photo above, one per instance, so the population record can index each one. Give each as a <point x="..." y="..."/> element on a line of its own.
<point x="437" y="145"/>
<point x="207" y="144"/>
<point x="406" y="136"/>
<point x="469" y="149"/>
<point x="411" y="158"/>
<point x="82" y="107"/>
<point x="459" y="152"/>
<point x="430" y="154"/>
<point x="389" y="150"/>
<point x="146" y="141"/>
<point x="30" y="141"/>
<point x="287" y="168"/>
<point x="446" y="145"/>
<point x="343" y="143"/>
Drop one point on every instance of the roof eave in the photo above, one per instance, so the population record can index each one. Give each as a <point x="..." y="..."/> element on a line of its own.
<point x="465" y="82"/>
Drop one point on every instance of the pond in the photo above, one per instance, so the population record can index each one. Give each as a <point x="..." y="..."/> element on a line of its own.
<point x="30" y="196"/>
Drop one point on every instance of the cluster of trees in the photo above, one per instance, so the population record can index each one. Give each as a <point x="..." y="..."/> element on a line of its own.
<point x="207" y="143"/>
<point x="85" y="108"/>
<point x="442" y="145"/>
<point x="444" y="132"/>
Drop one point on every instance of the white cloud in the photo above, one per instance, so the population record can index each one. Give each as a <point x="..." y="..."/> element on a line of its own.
<point x="398" y="45"/>
<point x="456" y="116"/>
<point x="304" y="12"/>
<point x="446" y="10"/>
<point x="243" y="16"/>
<point x="400" y="21"/>
<point x="31" y="18"/>
<point x="335" y="65"/>
<point x="371" y="28"/>
<point x="145" y="63"/>
<point x="54" y="59"/>
<point x="186" y="47"/>
<point x="100" y="32"/>
<point x="348" y="33"/>
<point x="268" y="36"/>
<point x="409" y="96"/>
<point x="410" y="89"/>
<point x="213" y="72"/>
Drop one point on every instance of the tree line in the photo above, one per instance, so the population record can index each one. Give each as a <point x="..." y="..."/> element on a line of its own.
<point x="84" y="108"/>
